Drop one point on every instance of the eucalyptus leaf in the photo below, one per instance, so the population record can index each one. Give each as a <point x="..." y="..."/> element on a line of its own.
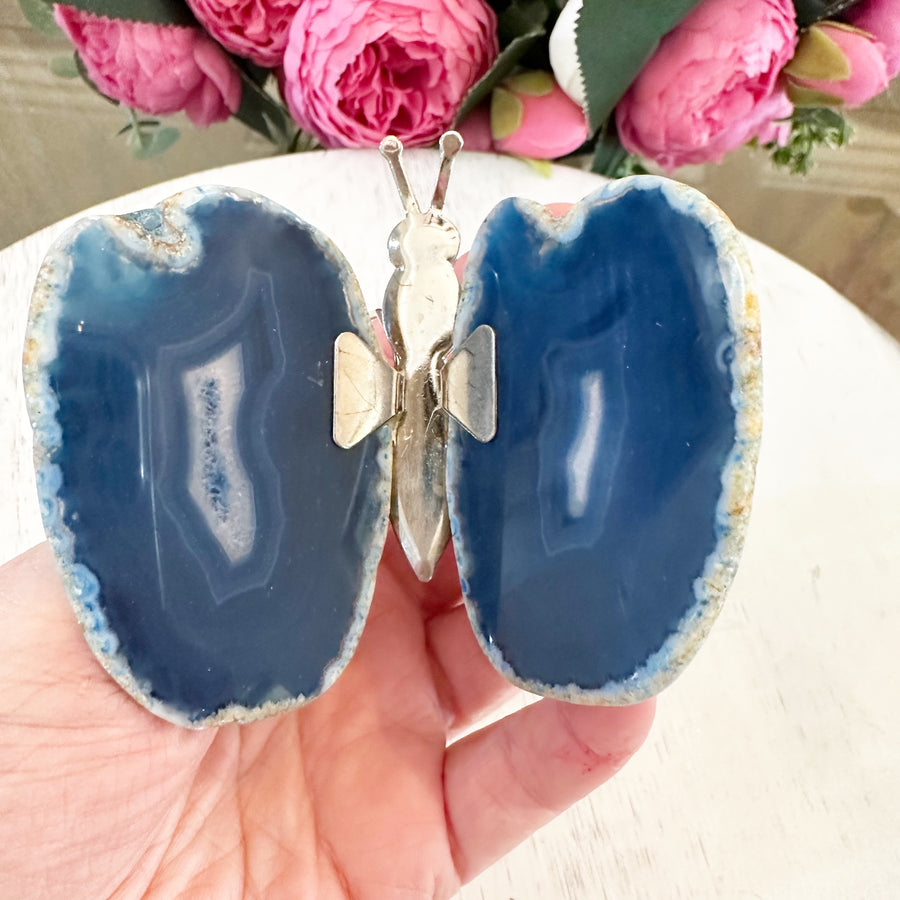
<point x="614" y="39"/>
<point x="810" y="11"/>
<point x="40" y="17"/>
<point x="163" y="138"/>
<point x="65" y="66"/>
<point x="159" y="12"/>
<point x="136" y="139"/>
<point x="505" y="62"/>
<point x="153" y="143"/>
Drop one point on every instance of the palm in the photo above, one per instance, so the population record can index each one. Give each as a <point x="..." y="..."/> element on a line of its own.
<point x="363" y="793"/>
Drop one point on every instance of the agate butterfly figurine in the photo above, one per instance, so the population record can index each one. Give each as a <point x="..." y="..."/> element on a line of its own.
<point x="221" y="438"/>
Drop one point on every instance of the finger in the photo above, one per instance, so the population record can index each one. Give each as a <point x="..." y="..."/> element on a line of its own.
<point x="558" y="209"/>
<point x="505" y="781"/>
<point x="396" y="576"/>
<point x="469" y="687"/>
<point x="42" y="649"/>
<point x="49" y="678"/>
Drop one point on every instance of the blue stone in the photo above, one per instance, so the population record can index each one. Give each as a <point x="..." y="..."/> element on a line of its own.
<point x="218" y="547"/>
<point x="597" y="533"/>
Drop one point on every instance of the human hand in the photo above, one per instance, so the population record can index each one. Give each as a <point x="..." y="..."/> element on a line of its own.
<point x="366" y="792"/>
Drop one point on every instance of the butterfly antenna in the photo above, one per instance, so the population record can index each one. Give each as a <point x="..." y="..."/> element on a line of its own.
<point x="392" y="150"/>
<point x="451" y="144"/>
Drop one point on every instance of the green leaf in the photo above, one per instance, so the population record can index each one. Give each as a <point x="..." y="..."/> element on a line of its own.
<point x="810" y="98"/>
<point x="818" y="57"/>
<point x="506" y="114"/>
<point x="83" y="72"/>
<point x="265" y="115"/>
<point x="159" y="12"/>
<point x="542" y="167"/>
<point x="809" y="11"/>
<point x="303" y="142"/>
<point x="257" y="74"/>
<point x="615" y="38"/>
<point x="40" y="17"/>
<point x="609" y="154"/>
<point x="65" y="66"/>
<point x="521" y="17"/>
<point x="612" y="159"/>
<point x="505" y="62"/>
<point x="810" y="128"/>
<point x="150" y="143"/>
<point x="531" y="83"/>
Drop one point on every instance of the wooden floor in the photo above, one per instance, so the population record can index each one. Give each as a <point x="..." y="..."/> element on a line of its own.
<point x="60" y="154"/>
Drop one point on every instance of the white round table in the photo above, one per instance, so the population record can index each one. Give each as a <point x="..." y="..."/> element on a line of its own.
<point x="774" y="766"/>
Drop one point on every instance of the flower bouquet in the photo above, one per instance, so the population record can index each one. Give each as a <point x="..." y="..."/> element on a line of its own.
<point x="620" y="83"/>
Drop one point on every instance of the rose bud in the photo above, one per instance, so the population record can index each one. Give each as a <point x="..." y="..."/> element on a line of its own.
<point x="532" y="116"/>
<point x="881" y="18"/>
<point x="836" y="65"/>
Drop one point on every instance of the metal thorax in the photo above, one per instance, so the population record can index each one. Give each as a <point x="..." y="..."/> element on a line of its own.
<point x="428" y="377"/>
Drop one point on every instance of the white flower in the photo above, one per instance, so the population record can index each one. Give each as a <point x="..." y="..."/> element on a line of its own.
<point x="564" y="53"/>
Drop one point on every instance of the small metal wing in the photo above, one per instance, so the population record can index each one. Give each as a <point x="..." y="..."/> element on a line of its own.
<point x="470" y="384"/>
<point x="364" y="390"/>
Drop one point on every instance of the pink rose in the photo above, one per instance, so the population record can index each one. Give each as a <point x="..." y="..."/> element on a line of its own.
<point x="159" y="69"/>
<point x="881" y="18"/>
<point x="532" y="116"/>
<point x="773" y="117"/>
<point x="357" y="70"/>
<point x="838" y="65"/>
<point x="257" y="29"/>
<point x="712" y="83"/>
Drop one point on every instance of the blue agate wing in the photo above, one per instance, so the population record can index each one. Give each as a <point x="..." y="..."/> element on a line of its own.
<point x="597" y="533"/>
<point x="218" y="547"/>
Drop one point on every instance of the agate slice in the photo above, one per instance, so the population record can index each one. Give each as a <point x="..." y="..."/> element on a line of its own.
<point x="597" y="533"/>
<point x="218" y="547"/>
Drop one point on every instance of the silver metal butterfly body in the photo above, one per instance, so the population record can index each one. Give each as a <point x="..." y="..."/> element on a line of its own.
<point x="427" y="379"/>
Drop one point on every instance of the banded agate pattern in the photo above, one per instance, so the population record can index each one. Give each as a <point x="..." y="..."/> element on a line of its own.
<point x="597" y="533"/>
<point x="219" y="548"/>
